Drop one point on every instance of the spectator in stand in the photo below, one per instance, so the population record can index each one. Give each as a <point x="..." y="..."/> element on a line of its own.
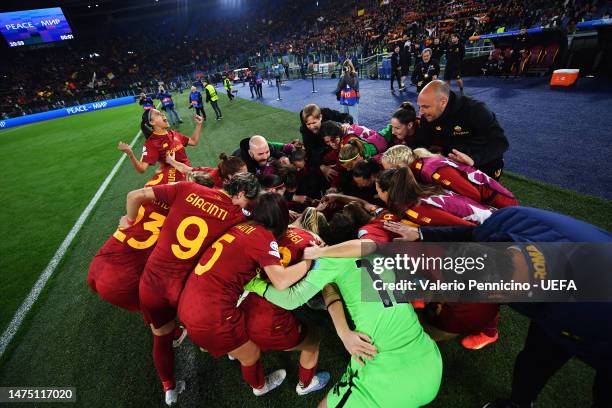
<point x="347" y="91"/>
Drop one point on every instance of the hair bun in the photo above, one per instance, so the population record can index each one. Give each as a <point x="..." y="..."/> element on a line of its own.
<point x="407" y="105"/>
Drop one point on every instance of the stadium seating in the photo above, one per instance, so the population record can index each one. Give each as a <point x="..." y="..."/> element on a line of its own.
<point x="298" y="28"/>
<point x="546" y="62"/>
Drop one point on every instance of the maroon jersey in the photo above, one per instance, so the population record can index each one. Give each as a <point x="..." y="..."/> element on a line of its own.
<point x="156" y="147"/>
<point x="198" y="216"/>
<point x="291" y="246"/>
<point x="214" y="173"/>
<point x="165" y="175"/>
<point x="130" y="247"/>
<point x="115" y="270"/>
<point x="375" y="231"/>
<point x="212" y="290"/>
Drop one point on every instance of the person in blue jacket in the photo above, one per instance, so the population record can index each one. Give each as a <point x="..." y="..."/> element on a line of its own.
<point x="557" y="331"/>
<point x="195" y="102"/>
<point x="145" y="101"/>
<point x="168" y="105"/>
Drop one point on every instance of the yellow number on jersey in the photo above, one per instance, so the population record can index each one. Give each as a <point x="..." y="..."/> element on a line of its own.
<point x="192" y="245"/>
<point x="157" y="220"/>
<point x="156" y="180"/>
<point x="285" y="256"/>
<point x="218" y="246"/>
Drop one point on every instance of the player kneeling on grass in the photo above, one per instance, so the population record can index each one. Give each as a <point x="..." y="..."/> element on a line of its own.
<point x="208" y="301"/>
<point x="114" y="273"/>
<point x="396" y="364"/>
<point x="197" y="217"/>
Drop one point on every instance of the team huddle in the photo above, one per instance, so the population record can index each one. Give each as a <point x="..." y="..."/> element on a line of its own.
<point x="224" y="254"/>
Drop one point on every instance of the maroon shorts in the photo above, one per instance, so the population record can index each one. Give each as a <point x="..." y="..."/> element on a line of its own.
<point x="159" y="298"/>
<point x="116" y="280"/>
<point x="466" y="318"/>
<point x="271" y="327"/>
<point x="219" y="339"/>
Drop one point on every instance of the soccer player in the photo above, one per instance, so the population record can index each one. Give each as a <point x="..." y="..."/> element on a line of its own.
<point x="431" y="168"/>
<point x="160" y="141"/>
<point x="208" y="302"/>
<point x="197" y="217"/>
<point x="223" y="173"/>
<point x="395" y="363"/>
<point x="115" y="270"/>
<point x="195" y="102"/>
<point x="403" y="127"/>
<point x="274" y="328"/>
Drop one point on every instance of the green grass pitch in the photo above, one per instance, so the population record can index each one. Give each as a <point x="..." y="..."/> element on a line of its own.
<point x="71" y="338"/>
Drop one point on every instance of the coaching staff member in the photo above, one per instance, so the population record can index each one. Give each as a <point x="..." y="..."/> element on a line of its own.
<point x="426" y="70"/>
<point x="462" y="128"/>
<point x="311" y="117"/>
<point x="454" y="57"/>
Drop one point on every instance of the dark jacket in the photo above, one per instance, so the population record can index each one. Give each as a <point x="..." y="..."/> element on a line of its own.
<point x="347" y="79"/>
<point x="455" y="54"/>
<point x="424" y="71"/>
<point x="468" y="126"/>
<point x="314" y="144"/>
<point x="405" y="60"/>
<point x="396" y="61"/>
<point x="252" y="165"/>
<point x="583" y="329"/>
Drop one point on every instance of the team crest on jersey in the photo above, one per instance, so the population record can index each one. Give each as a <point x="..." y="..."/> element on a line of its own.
<point x="144" y="150"/>
<point x="274" y="249"/>
<point x="246" y="212"/>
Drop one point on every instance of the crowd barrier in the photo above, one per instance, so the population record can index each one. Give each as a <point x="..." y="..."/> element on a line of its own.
<point x="59" y="113"/>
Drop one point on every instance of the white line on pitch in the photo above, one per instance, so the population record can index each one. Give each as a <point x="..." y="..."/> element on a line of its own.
<point x="25" y="307"/>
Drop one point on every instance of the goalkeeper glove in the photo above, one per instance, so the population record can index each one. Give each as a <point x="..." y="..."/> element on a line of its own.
<point x="258" y="286"/>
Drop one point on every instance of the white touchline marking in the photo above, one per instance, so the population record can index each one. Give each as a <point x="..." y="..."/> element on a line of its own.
<point x="25" y="307"/>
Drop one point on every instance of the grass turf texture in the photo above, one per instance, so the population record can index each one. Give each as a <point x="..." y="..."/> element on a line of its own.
<point x="71" y="338"/>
